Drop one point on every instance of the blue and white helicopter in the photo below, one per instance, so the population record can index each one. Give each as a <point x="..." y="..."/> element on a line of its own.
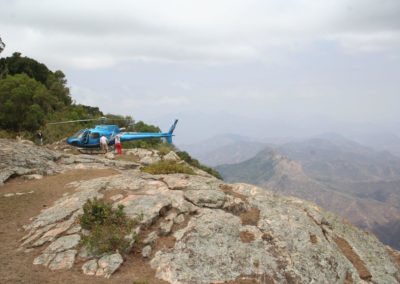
<point x="89" y="138"/>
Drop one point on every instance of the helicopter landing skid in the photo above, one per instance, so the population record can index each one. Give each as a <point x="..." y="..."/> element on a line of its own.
<point x="93" y="151"/>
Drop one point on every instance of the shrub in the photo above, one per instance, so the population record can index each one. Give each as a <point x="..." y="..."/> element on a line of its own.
<point x="107" y="227"/>
<point x="167" y="167"/>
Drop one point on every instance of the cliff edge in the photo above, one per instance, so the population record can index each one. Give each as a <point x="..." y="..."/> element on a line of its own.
<point x="193" y="228"/>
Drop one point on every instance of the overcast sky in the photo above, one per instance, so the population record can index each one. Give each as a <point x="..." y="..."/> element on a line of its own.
<point x="259" y="68"/>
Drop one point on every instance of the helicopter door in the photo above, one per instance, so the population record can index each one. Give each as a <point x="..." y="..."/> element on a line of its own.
<point x="95" y="138"/>
<point x="85" y="137"/>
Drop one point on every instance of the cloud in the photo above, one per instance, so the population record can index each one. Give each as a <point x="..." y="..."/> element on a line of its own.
<point x="93" y="34"/>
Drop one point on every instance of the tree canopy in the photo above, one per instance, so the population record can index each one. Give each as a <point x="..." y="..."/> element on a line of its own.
<point x="30" y="93"/>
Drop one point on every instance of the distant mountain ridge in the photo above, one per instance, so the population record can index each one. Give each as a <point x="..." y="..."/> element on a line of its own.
<point x="382" y="141"/>
<point x="225" y="149"/>
<point x="343" y="159"/>
<point x="332" y="173"/>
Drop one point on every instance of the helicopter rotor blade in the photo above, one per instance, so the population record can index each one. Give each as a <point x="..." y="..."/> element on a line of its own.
<point x="102" y="119"/>
<point x="72" y="121"/>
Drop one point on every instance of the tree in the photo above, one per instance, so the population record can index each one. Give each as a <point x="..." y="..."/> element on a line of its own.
<point x="24" y="103"/>
<point x="55" y="82"/>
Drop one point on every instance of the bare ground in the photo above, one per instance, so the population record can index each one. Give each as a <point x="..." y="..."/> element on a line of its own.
<point x="351" y="255"/>
<point x="15" y="211"/>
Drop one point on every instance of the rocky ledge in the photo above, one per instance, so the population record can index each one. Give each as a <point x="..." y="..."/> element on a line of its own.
<point x="198" y="229"/>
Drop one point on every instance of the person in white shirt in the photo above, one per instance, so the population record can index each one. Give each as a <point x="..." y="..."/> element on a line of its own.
<point x="103" y="144"/>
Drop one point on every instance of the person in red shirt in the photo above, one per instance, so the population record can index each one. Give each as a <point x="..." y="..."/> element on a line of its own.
<point x="118" y="144"/>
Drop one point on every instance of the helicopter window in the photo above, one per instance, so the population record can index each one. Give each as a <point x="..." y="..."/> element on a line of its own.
<point x="78" y="134"/>
<point x="95" y="135"/>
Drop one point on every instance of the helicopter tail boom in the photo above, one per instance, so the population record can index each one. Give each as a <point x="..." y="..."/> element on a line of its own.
<point x="130" y="136"/>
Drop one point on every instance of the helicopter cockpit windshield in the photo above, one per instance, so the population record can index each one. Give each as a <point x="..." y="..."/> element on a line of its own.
<point x="78" y="134"/>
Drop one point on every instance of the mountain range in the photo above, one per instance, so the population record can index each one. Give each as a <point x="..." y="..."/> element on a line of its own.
<point x="347" y="178"/>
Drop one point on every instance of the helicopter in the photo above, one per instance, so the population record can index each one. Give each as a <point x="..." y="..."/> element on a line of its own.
<point x="89" y="138"/>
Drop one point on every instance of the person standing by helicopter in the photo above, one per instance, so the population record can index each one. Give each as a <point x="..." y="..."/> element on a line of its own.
<point x="103" y="144"/>
<point x="39" y="136"/>
<point x="118" y="143"/>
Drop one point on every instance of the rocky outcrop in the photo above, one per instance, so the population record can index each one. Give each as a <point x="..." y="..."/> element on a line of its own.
<point x="197" y="229"/>
<point x="23" y="158"/>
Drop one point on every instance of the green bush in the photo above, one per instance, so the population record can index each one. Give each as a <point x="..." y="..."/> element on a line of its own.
<point x="167" y="167"/>
<point x="107" y="227"/>
<point x="195" y="163"/>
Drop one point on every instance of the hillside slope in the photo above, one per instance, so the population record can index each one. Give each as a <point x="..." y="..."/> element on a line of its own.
<point x="276" y="172"/>
<point x="224" y="149"/>
<point x="193" y="228"/>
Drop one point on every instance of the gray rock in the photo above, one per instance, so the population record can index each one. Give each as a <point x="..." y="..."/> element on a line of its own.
<point x="144" y="156"/>
<point x="63" y="243"/>
<point x="235" y="205"/>
<point x="165" y="228"/>
<point x="5" y="174"/>
<point x="54" y="232"/>
<point x="179" y="219"/>
<point x="209" y="250"/>
<point x="109" y="156"/>
<point x="33" y="177"/>
<point x="63" y="260"/>
<point x="19" y="159"/>
<point x="90" y="267"/>
<point x="180" y="203"/>
<point x="141" y="153"/>
<point x="149" y="160"/>
<point x="171" y="156"/>
<point x="144" y="208"/>
<point x="108" y="264"/>
<point x="171" y="216"/>
<point x="35" y="234"/>
<point x="146" y="251"/>
<point x="64" y="207"/>
<point x="75" y="229"/>
<point x="151" y="238"/>
<point x="206" y="198"/>
<point x="44" y="259"/>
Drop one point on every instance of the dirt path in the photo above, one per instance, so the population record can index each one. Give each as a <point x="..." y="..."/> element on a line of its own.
<point x="15" y="211"/>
